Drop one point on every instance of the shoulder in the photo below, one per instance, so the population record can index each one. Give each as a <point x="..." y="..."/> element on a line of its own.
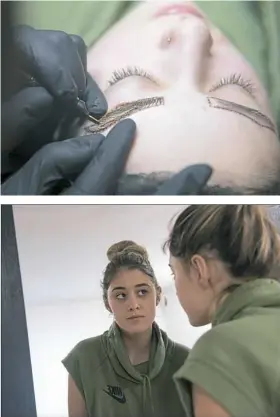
<point x="215" y="343"/>
<point x="87" y="352"/>
<point x="211" y="358"/>
<point x="177" y="355"/>
<point x="180" y="349"/>
<point x="87" y="345"/>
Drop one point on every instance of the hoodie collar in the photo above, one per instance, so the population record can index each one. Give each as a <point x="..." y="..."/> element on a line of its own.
<point x="262" y="292"/>
<point x="122" y="364"/>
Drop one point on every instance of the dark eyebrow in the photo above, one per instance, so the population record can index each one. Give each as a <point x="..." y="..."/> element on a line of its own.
<point x="136" y="286"/>
<point x="254" y="115"/>
<point x="123" y="110"/>
<point x="128" y="108"/>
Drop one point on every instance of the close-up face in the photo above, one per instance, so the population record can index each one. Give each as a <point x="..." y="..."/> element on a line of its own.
<point x="132" y="300"/>
<point x="200" y="100"/>
<point x="193" y="298"/>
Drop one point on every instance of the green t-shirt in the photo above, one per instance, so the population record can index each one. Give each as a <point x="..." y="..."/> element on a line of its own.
<point x="252" y="26"/>
<point x="237" y="362"/>
<point x="112" y="387"/>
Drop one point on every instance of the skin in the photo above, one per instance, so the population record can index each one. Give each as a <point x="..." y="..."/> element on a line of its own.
<point x="186" y="130"/>
<point x="76" y="403"/>
<point x="200" y="289"/>
<point x="199" y="286"/>
<point x="130" y="293"/>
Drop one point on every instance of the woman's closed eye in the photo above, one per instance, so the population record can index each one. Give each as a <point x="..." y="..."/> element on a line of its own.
<point x="232" y="79"/>
<point x="126" y="109"/>
<point x="121" y="74"/>
<point x="238" y="80"/>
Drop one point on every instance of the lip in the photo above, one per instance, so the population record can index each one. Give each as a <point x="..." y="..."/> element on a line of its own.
<point x="135" y="317"/>
<point x="178" y="9"/>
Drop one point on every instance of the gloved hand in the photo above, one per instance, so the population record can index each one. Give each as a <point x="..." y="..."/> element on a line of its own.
<point x="189" y="181"/>
<point x="87" y="165"/>
<point x="51" y="75"/>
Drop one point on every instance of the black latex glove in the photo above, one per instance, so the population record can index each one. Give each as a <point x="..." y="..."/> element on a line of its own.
<point x="189" y="181"/>
<point x="58" y="63"/>
<point x="88" y="165"/>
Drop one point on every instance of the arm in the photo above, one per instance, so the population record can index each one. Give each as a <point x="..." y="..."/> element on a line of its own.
<point x="76" y="403"/>
<point x="205" y="406"/>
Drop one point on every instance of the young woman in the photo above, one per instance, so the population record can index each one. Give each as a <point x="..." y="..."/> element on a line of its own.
<point x="194" y="97"/>
<point x="127" y="371"/>
<point x="201" y="80"/>
<point x="221" y="257"/>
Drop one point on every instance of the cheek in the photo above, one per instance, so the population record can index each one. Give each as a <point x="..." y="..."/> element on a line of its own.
<point x="149" y="301"/>
<point x="180" y="285"/>
<point x="115" y="306"/>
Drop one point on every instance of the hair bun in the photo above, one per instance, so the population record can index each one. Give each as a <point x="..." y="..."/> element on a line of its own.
<point x="124" y="247"/>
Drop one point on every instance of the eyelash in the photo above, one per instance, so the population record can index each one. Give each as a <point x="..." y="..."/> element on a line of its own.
<point x="236" y="79"/>
<point x="233" y="79"/>
<point x="123" y="73"/>
<point x="118" y="75"/>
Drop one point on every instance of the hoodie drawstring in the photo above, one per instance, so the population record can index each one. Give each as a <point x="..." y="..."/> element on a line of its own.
<point x="147" y="388"/>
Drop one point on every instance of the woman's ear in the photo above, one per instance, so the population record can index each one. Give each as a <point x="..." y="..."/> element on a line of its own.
<point x="201" y="270"/>
<point x="159" y="292"/>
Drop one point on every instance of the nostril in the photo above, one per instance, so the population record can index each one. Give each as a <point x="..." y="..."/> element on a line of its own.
<point x="168" y="39"/>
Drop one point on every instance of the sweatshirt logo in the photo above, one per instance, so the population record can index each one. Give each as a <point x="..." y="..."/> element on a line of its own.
<point x="116" y="393"/>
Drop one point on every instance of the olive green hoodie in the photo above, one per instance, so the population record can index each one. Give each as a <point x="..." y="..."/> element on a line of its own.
<point x="113" y="387"/>
<point x="238" y="361"/>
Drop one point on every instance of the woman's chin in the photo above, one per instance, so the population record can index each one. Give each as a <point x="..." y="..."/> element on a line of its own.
<point x="198" y="321"/>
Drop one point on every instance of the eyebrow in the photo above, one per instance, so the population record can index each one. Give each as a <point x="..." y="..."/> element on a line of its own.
<point x="136" y="286"/>
<point x="254" y="115"/>
<point x="123" y="110"/>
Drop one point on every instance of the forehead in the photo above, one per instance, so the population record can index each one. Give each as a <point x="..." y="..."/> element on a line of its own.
<point x="179" y="134"/>
<point x="129" y="278"/>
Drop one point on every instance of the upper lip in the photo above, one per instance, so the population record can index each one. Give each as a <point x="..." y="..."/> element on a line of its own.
<point x="177" y="8"/>
<point x="135" y="317"/>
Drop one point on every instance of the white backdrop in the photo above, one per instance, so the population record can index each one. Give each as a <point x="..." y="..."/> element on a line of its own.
<point x="62" y="253"/>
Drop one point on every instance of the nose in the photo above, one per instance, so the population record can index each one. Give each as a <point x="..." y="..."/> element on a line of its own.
<point x="133" y="303"/>
<point x="189" y="50"/>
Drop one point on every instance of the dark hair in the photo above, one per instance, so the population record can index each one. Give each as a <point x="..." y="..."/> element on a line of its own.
<point x="124" y="255"/>
<point x="148" y="184"/>
<point x="242" y="235"/>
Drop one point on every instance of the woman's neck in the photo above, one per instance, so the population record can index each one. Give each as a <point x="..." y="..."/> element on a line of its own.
<point x="138" y="346"/>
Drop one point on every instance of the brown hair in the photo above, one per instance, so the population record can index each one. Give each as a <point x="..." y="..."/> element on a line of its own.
<point x="244" y="237"/>
<point x="126" y="255"/>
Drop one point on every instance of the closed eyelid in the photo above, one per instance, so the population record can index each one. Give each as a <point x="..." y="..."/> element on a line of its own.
<point x="252" y="114"/>
<point x="126" y="109"/>
<point x="119" y="75"/>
